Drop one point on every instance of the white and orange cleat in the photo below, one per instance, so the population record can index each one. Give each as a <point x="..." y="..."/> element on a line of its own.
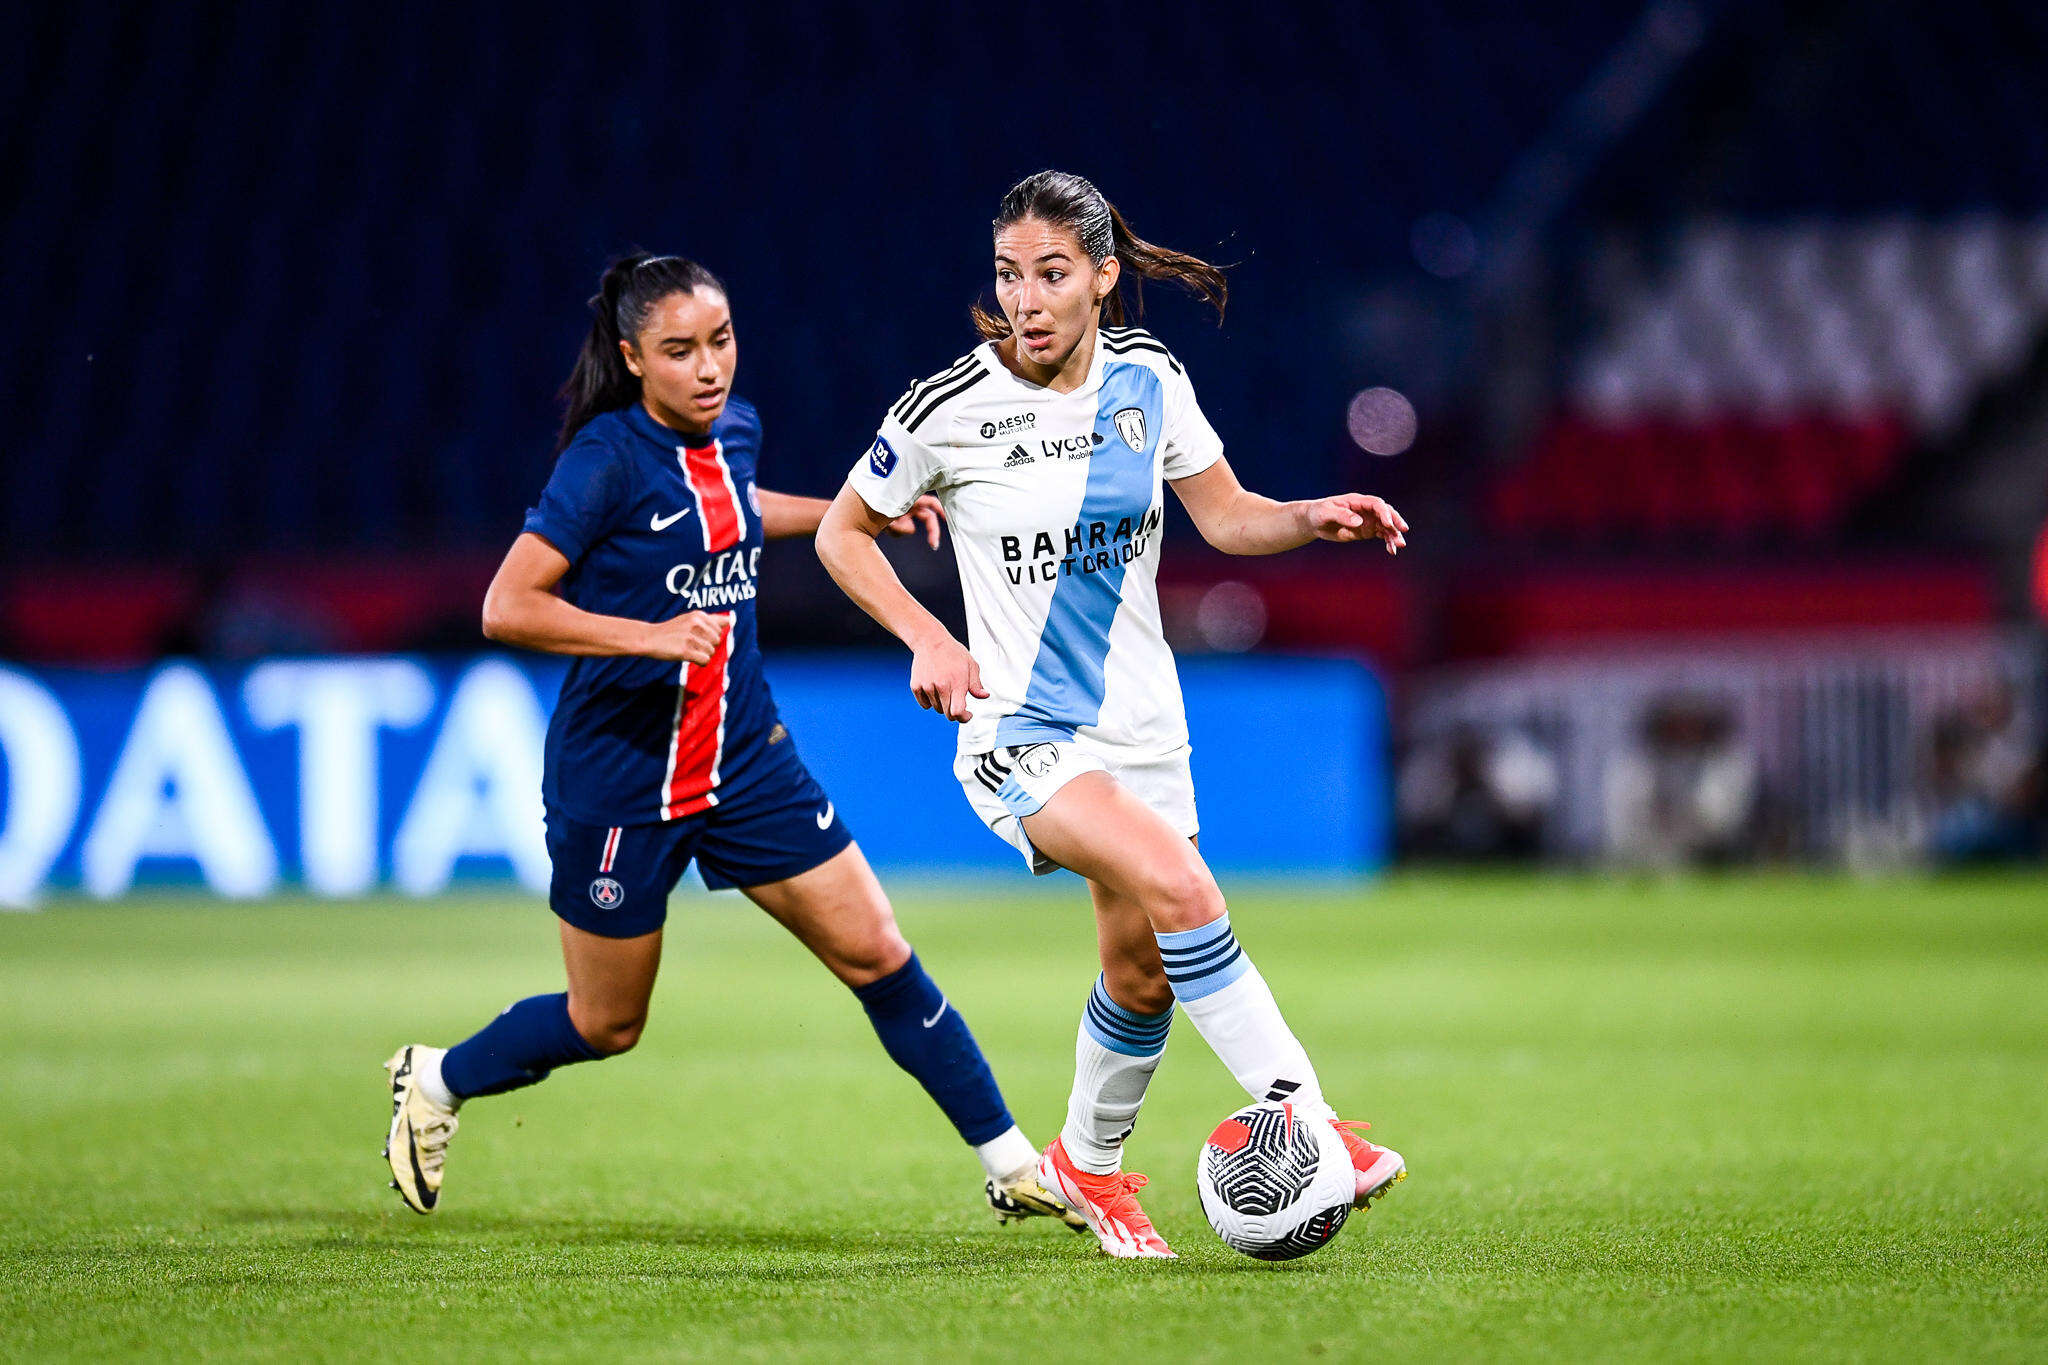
<point x="1108" y="1203"/>
<point x="1377" y="1169"/>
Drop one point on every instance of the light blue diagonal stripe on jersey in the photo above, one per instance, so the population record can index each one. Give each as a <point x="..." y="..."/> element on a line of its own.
<point x="1066" y="687"/>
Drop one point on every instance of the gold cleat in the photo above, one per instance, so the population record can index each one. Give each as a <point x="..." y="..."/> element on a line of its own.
<point x="417" y="1146"/>
<point x="1022" y="1197"/>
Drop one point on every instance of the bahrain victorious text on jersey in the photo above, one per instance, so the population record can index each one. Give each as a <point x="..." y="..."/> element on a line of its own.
<point x="1054" y="502"/>
<point x="655" y="524"/>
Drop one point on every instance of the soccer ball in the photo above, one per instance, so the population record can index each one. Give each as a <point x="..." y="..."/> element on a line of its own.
<point x="1275" y="1182"/>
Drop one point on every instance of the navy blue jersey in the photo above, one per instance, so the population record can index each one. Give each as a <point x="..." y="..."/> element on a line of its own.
<point x="655" y="524"/>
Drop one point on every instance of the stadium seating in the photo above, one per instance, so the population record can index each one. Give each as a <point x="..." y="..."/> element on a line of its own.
<point x="292" y="325"/>
<point x="1759" y="382"/>
<point x="259" y="304"/>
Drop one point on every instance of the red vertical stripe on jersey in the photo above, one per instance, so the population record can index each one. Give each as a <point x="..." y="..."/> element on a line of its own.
<point x="699" y="739"/>
<point x="697" y="744"/>
<point x="718" y="502"/>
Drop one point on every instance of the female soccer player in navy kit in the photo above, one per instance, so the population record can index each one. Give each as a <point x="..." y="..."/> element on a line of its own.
<point x="640" y="561"/>
<point x="1048" y="446"/>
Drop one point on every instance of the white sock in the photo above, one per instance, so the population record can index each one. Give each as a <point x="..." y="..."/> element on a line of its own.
<point x="1114" y="1058"/>
<point x="1231" y="1005"/>
<point x="426" y="1074"/>
<point x="1006" y="1154"/>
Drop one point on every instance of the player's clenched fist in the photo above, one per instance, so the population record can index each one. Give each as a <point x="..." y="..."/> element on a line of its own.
<point x="943" y="675"/>
<point x="1357" y="516"/>
<point x="691" y="638"/>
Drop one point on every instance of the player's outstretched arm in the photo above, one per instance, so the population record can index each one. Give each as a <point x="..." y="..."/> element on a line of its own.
<point x="521" y="608"/>
<point x="1238" y="521"/>
<point x="787" y="515"/>
<point x="943" y="675"/>
<point x="784" y="516"/>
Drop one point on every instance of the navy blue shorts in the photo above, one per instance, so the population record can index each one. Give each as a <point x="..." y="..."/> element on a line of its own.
<point x="614" y="880"/>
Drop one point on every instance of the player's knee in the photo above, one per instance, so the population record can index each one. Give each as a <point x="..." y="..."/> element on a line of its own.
<point x="892" y="949"/>
<point x="873" y="954"/>
<point x="1183" y="896"/>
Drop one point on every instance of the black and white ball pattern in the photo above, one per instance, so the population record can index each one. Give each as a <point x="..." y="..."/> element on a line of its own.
<point x="1310" y="1236"/>
<point x="1275" y="1183"/>
<point x="1271" y="1169"/>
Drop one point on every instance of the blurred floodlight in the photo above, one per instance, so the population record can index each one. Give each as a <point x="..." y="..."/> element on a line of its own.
<point x="1381" y="421"/>
<point x="1444" y="245"/>
<point x="1231" y="617"/>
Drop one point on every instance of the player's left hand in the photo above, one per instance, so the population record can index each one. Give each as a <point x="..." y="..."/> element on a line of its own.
<point x="924" y="512"/>
<point x="1356" y="516"/>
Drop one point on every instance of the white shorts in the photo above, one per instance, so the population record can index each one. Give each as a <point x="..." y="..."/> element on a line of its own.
<point x="1006" y="785"/>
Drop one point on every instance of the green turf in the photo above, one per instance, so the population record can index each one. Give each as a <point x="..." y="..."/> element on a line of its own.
<point x="1770" y="1116"/>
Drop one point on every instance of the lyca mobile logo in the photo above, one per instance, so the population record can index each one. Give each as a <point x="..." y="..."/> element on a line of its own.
<point x="1071" y="447"/>
<point x="1022" y="421"/>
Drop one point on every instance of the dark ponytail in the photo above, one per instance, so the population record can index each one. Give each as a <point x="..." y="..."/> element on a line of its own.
<point x="1071" y="202"/>
<point x="632" y="285"/>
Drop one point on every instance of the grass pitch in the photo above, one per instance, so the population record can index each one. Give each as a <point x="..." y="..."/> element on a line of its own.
<point x="1769" y="1116"/>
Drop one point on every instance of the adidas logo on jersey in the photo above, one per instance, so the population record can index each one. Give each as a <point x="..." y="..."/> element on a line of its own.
<point x="1018" y="455"/>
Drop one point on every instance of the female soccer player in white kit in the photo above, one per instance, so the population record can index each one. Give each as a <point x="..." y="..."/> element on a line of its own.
<point x="1048" y="446"/>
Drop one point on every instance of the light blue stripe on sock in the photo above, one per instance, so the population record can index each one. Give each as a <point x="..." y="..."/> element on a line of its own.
<point x="1189" y="944"/>
<point x="1202" y="961"/>
<point x="1122" y="1030"/>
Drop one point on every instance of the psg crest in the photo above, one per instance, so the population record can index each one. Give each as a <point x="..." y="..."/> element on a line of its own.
<point x="1130" y="424"/>
<point x="606" y="894"/>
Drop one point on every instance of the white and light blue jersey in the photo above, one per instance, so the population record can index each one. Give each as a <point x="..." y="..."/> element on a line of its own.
<point x="1055" y="506"/>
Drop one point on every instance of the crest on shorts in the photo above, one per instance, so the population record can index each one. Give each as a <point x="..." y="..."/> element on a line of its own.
<point x="1130" y="424"/>
<point x="1037" y="760"/>
<point x="607" y="894"/>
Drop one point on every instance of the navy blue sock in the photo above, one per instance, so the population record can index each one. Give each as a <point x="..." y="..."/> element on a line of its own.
<point x="926" y="1036"/>
<point x="519" y="1047"/>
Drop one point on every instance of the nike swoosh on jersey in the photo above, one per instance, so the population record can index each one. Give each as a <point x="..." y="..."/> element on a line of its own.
<point x="943" y="1002"/>
<point x="825" y="817"/>
<point x="661" y="523"/>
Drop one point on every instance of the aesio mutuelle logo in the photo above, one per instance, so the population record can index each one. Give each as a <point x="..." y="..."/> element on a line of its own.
<point x="1022" y="421"/>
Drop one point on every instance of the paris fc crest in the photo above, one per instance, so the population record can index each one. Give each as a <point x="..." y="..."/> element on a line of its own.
<point x="1130" y="424"/>
<point x="1037" y="760"/>
<point x="607" y="894"/>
